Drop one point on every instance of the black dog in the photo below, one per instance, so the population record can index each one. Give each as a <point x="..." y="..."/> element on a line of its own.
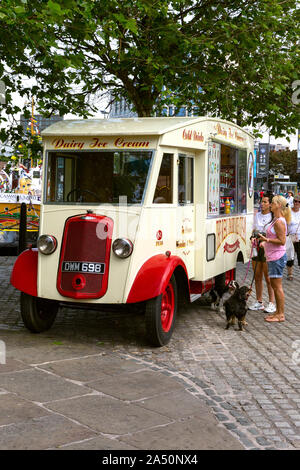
<point x="236" y="306"/>
<point x="216" y="294"/>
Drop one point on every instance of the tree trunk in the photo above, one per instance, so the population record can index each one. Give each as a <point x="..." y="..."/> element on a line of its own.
<point x="143" y="101"/>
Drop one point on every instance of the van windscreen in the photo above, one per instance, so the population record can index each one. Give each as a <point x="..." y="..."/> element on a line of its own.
<point x="97" y="177"/>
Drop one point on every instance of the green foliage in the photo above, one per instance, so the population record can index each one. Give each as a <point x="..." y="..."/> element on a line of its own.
<point x="232" y="59"/>
<point x="284" y="162"/>
<point x="24" y="148"/>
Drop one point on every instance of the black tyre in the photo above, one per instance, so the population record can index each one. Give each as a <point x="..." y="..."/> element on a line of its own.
<point x="160" y="315"/>
<point x="38" y="314"/>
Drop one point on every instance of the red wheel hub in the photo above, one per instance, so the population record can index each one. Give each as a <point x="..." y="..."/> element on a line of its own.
<point x="167" y="308"/>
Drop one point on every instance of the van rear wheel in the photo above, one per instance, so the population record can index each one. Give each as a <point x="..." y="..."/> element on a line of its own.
<point x="160" y="315"/>
<point x="38" y="314"/>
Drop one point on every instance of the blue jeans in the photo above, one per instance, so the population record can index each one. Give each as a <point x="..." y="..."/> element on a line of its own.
<point x="276" y="268"/>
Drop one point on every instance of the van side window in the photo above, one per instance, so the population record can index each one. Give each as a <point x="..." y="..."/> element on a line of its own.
<point x="185" y="179"/>
<point x="233" y="180"/>
<point x="228" y="180"/>
<point x="164" y="186"/>
<point x="242" y="181"/>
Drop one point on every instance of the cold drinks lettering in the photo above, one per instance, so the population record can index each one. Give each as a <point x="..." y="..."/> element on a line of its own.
<point x="192" y="135"/>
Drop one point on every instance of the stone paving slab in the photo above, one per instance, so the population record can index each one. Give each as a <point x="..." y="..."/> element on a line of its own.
<point x="99" y="443"/>
<point x="13" y="365"/>
<point x="39" y="386"/>
<point x="246" y="383"/>
<point x="90" y="368"/>
<point x="108" y="415"/>
<point x="51" y="350"/>
<point x="191" y="434"/>
<point x="14" y="410"/>
<point x="137" y="385"/>
<point x="176" y="405"/>
<point x="42" y="433"/>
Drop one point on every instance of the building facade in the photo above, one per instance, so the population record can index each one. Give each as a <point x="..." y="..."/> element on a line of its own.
<point x="121" y="109"/>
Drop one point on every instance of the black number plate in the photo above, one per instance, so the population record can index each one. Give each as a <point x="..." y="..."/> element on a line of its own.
<point x="83" y="267"/>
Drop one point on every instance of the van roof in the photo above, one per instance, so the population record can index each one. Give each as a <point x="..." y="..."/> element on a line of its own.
<point x="124" y="126"/>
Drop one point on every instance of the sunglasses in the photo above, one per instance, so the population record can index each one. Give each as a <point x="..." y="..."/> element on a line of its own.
<point x="296" y="200"/>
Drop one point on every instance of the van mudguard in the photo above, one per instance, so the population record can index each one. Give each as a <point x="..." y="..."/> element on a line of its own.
<point x="24" y="273"/>
<point x="153" y="277"/>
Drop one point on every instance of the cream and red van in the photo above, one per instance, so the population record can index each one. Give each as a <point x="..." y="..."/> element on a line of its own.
<point x="137" y="210"/>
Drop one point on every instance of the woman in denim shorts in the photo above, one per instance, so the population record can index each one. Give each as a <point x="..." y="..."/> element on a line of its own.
<point x="276" y="267"/>
<point x="274" y="245"/>
<point x="259" y="263"/>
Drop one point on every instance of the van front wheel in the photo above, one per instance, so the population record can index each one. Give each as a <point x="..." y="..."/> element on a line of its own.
<point x="38" y="314"/>
<point x="160" y="315"/>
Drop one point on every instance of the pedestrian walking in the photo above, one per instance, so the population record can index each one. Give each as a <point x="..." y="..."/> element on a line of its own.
<point x="294" y="234"/>
<point x="259" y="263"/>
<point x="274" y="245"/>
<point x="290" y="198"/>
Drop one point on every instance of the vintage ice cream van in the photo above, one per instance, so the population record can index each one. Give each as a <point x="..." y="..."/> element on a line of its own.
<point x="141" y="210"/>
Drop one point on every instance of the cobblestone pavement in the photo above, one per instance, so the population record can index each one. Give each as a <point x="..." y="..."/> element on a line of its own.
<point x="250" y="379"/>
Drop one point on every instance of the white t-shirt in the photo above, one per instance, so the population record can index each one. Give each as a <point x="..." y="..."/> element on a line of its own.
<point x="261" y="221"/>
<point x="290" y="201"/>
<point x="294" y="226"/>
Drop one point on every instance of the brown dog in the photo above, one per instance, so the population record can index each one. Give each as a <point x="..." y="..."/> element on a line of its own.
<point x="236" y="306"/>
<point x="217" y="293"/>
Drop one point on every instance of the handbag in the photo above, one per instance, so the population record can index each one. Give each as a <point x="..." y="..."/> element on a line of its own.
<point x="254" y="250"/>
<point x="289" y="246"/>
<point x="295" y="236"/>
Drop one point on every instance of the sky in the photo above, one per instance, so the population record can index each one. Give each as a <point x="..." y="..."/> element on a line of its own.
<point x="292" y="144"/>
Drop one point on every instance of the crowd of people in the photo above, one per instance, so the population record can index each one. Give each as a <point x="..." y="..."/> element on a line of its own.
<point x="275" y="244"/>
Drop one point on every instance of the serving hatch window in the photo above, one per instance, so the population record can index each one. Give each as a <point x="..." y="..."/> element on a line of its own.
<point x="97" y="177"/>
<point x="227" y="180"/>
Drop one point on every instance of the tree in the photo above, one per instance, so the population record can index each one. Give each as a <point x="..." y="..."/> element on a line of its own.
<point x="284" y="162"/>
<point x="234" y="59"/>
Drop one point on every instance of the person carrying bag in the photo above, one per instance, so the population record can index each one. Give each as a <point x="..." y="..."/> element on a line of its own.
<point x="290" y="250"/>
<point x="294" y="236"/>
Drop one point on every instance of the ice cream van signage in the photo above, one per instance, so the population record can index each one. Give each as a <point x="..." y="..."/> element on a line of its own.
<point x="229" y="133"/>
<point x="188" y="134"/>
<point x="227" y="226"/>
<point x="230" y="248"/>
<point x="96" y="143"/>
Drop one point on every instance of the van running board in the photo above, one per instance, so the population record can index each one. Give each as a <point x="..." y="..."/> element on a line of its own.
<point x="194" y="297"/>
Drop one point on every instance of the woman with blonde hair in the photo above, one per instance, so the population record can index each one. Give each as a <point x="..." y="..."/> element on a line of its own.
<point x="274" y="245"/>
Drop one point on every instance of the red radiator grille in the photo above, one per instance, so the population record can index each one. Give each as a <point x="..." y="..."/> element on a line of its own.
<point x="84" y="259"/>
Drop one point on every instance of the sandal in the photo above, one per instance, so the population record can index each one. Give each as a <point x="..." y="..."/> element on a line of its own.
<point x="290" y="278"/>
<point x="274" y="318"/>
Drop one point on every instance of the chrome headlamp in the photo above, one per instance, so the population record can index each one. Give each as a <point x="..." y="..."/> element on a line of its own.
<point x="46" y="244"/>
<point x="122" y="247"/>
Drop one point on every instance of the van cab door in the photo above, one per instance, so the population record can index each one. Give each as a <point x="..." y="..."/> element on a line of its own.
<point x="185" y="236"/>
